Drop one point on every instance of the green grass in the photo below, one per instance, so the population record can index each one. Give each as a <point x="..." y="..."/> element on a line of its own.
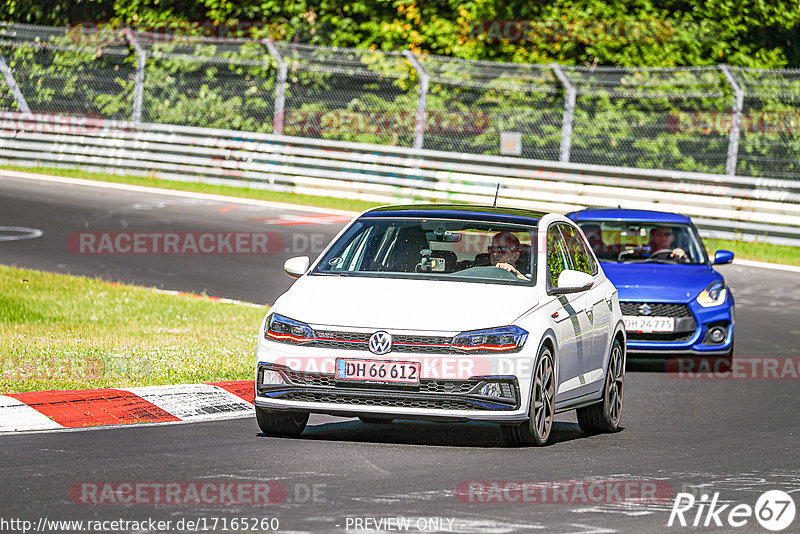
<point x="755" y="251"/>
<point x="742" y="250"/>
<point x="67" y="332"/>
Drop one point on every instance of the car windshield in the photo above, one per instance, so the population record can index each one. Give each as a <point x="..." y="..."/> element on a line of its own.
<point x="625" y="241"/>
<point x="437" y="249"/>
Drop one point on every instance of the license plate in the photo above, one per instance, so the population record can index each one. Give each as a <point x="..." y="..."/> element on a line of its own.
<point x="377" y="371"/>
<point x="646" y="323"/>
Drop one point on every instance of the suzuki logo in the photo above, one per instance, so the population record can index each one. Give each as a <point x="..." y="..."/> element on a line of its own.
<point x="645" y="309"/>
<point x="380" y="343"/>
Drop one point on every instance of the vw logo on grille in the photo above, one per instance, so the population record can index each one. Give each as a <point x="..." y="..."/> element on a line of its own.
<point x="380" y="343"/>
<point x="645" y="309"/>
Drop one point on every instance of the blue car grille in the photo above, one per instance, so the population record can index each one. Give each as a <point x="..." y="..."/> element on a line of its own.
<point x="666" y="337"/>
<point x="658" y="309"/>
<point x="685" y="324"/>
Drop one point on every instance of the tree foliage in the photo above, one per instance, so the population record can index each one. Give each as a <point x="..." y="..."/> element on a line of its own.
<point x="752" y="33"/>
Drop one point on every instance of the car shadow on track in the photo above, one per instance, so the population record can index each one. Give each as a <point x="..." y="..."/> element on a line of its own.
<point x="403" y="432"/>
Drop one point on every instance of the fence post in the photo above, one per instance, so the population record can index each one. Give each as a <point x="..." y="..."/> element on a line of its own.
<point x="738" y="102"/>
<point x="12" y="85"/>
<point x="280" y="87"/>
<point x="422" y="98"/>
<point x="138" y="91"/>
<point x="569" y="112"/>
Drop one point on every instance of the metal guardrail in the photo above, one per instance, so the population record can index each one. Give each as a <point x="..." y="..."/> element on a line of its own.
<point x="714" y="119"/>
<point x="735" y="207"/>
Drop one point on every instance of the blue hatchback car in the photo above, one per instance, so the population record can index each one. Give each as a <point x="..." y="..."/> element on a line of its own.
<point x="673" y="301"/>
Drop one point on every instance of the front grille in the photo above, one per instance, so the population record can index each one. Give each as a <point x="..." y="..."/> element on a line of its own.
<point x="400" y="343"/>
<point x="671" y="337"/>
<point x="394" y="401"/>
<point x="426" y="385"/>
<point x="658" y="309"/>
<point x="300" y="378"/>
<point x="341" y="340"/>
<point x="428" y="344"/>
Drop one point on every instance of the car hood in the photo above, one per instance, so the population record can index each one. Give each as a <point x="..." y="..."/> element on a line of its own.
<point x="400" y="304"/>
<point x="659" y="281"/>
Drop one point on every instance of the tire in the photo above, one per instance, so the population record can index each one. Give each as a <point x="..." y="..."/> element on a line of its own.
<point x="606" y="415"/>
<point x="376" y="420"/>
<point x="536" y="430"/>
<point x="286" y="424"/>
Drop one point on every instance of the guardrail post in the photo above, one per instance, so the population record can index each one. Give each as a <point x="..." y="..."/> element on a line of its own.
<point x="422" y="98"/>
<point x="738" y="102"/>
<point x="280" y="87"/>
<point x="138" y="90"/>
<point x="569" y="113"/>
<point x="12" y="85"/>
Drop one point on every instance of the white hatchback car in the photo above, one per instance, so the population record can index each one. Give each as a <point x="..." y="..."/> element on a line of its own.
<point x="446" y="313"/>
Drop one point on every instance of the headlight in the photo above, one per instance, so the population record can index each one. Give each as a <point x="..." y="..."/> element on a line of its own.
<point x="280" y="328"/>
<point x="713" y="295"/>
<point x="502" y="339"/>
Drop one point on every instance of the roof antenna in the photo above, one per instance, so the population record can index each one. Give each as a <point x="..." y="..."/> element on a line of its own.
<point x="496" y="192"/>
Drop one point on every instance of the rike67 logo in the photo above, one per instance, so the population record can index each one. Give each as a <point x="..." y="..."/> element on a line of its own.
<point x="774" y="510"/>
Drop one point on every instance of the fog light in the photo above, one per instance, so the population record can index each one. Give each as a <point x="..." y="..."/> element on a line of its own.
<point x="492" y="390"/>
<point x="497" y="389"/>
<point x="271" y="378"/>
<point x="716" y="334"/>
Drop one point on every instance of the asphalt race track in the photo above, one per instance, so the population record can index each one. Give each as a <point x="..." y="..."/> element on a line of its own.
<point x="738" y="438"/>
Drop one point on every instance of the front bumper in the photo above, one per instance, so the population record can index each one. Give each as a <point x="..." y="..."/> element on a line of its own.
<point x="434" y="399"/>
<point x="694" y="341"/>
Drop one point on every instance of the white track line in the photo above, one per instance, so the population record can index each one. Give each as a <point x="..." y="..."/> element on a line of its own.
<point x="765" y="265"/>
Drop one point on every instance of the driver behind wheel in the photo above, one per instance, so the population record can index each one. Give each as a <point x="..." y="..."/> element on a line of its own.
<point x="504" y="253"/>
<point x="661" y="239"/>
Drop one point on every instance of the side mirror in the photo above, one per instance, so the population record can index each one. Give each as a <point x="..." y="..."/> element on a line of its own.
<point x="570" y="281"/>
<point x="296" y="267"/>
<point x="723" y="256"/>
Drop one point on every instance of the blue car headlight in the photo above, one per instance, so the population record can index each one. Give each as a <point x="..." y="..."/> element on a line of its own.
<point x="502" y="339"/>
<point x="280" y="328"/>
<point x="713" y="295"/>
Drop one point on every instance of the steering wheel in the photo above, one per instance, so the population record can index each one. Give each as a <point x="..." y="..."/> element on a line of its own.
<point x="628" y="252"/>
<point x="666" y="252"/>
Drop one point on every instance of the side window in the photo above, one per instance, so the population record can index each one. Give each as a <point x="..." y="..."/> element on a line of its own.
<point x="557" y="257"/>
<point x="582" y="259"/>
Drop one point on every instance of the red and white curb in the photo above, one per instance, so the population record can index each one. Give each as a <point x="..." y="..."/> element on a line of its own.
<point x="50" y="410"/>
